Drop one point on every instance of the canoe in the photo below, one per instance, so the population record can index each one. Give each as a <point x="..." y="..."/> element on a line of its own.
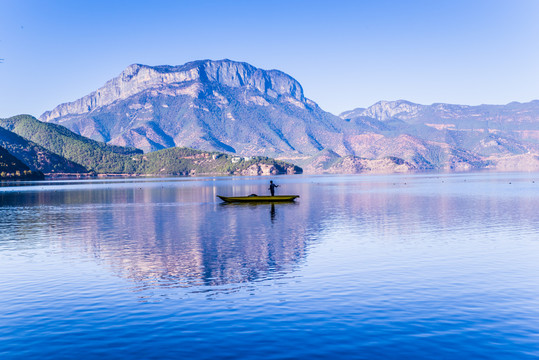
<point x="256" y="198"/>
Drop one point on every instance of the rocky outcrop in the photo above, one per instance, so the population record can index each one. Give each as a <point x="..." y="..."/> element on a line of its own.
<point x="524" y="162"/>
<point x="269" y="169"/>
<point x="137" y="78"/>
<point x="385" y="110"/>
<point x="354" y="165"/>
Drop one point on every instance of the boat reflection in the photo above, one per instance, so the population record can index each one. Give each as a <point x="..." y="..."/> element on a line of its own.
<point x="262" y="204"/>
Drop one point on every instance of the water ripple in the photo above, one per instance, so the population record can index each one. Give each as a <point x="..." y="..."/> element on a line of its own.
<point x="392" y="267"/>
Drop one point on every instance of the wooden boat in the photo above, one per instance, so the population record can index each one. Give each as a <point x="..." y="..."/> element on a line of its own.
<point x="256" y="198"/>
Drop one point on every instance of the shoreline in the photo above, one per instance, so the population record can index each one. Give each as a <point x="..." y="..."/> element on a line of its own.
<point x="68" y="176"/>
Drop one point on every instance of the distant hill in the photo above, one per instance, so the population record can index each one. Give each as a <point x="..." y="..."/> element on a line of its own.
<point x="185" y="161"/>
<point x="484" y="130"/>
<point x="89" y="154"/>
<point x="36" y="157"/>
<point x="12" y="168"/>
<point x="504" y="137"/>
<point x="514" y="115"/>
<point x="329" y="162"/>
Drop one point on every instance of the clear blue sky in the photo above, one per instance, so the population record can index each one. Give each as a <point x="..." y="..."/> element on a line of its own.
<point x="346" y="54"/>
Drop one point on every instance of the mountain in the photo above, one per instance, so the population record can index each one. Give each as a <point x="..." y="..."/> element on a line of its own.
<point x="232" y="107"/>
<point x="210" y="105"/>
<point x="236" y="108"/>
<point x="504" y="137"/>
<point x="484" y="130"/>
<point x="514" y="115"/>
<point x="13" y="168"/>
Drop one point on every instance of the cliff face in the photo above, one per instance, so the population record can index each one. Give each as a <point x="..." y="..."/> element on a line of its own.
<point x="137" y="78"/>
<point x="209" y="105"/>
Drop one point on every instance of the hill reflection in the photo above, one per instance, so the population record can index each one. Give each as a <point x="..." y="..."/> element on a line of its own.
<point x="177" y="234"/>
<point x="182" y="245"/>
<point x="168" y="236"/>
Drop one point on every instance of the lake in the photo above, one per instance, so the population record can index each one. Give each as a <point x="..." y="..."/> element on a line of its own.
<point x="424" y="266"/>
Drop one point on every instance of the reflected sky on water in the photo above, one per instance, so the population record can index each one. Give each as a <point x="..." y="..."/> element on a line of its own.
<point x="418" y="266"/>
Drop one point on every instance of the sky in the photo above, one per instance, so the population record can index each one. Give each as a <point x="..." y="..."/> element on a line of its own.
<point x="346" y="54"/>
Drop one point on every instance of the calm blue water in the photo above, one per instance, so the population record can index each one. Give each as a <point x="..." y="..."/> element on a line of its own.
<point x="362" y="267"/>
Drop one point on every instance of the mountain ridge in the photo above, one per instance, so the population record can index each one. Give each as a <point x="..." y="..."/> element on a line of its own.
<point x="403" y="109"/>
<point x="234" y="107"/>
<point x="238" y="73"/>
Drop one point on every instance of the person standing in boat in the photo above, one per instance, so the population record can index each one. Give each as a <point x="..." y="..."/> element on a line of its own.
<point x="272" y="188"/>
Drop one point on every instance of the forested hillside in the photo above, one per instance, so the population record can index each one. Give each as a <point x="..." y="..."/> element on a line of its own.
<point x="36" y="157"/>
<point x="91" y="154"/>
<point x="13" y="168"/>
<point x="54" y="149"/>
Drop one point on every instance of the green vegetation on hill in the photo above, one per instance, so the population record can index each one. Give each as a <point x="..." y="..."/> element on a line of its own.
<point x="185" y="161"/>
<point x="36" y="157"/>
<point x="93" y="155"/>
<point x="13" y="168"/>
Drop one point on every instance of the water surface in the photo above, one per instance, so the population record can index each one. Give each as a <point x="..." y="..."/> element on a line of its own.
<point x="363" y="267"/>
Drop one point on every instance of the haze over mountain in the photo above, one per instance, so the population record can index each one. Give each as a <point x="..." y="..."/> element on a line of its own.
<point x="237" y="108"/>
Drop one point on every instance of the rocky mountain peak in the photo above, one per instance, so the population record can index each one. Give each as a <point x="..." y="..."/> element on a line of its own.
<point x="137" y="78"/>
<point x="385" y="110"/>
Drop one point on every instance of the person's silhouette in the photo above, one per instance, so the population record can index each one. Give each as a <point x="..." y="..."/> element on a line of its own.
<point x="272" y="188"/>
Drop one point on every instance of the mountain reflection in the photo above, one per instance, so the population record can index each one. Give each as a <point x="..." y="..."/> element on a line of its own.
<point x="177" y="234"/>
<point x="168" y="236"/>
